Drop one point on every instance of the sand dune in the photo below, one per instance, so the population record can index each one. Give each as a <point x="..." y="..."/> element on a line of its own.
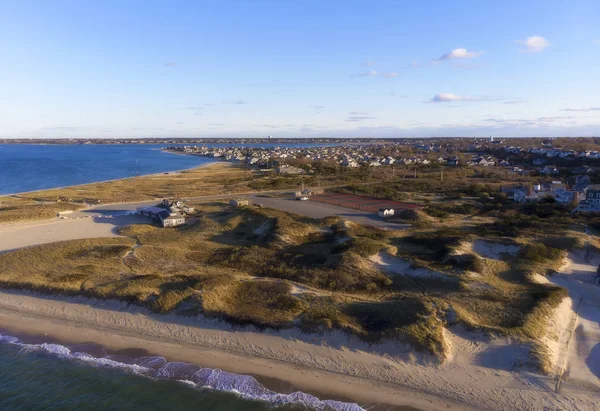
<point x="484" y="372"/>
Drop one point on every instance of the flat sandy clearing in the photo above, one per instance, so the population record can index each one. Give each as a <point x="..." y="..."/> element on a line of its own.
<point x="14" y="236"/>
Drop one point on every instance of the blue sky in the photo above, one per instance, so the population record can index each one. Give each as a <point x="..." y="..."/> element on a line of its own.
<point x="299" y="69"/>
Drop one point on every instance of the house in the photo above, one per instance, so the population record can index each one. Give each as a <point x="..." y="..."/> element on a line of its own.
<point x="581" y="183"/>
<point x="525" y="196"/>
<point x="385" y="212"/>
<point x="549" y="170"/>
<point x="453" y="161"/>
<point x="564" y="196"/>
<point x="170" y="218"/>
<point x="591" y="200"/>
<point x="582" y="170"/>
<point x="540" y="162"/>
<point x="238" y="202"/>
<point x="283" y="169"/>
<point x="510" y="190"/>
<point x="163" y="213"/>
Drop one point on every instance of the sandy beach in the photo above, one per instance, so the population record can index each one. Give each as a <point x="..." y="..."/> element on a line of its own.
<point x="482" y="373"/>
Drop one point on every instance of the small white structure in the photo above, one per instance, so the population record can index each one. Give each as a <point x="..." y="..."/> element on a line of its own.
<point x="385" y="212"/>
<point x="238" y="202"/>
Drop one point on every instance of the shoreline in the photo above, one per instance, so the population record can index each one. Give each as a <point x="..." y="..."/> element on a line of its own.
<point x="208" y="343"/>
<point x="113" y="179"/>
<point x="333" y="365"/>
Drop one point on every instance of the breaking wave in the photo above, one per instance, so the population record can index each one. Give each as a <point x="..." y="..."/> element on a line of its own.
<point x="190" y="374"/>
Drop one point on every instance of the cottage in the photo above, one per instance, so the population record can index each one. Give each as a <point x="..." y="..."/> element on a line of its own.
<point x="238" y="202"/>
<point x="385" y="212"/>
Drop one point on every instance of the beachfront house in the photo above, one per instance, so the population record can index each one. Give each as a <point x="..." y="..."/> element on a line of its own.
<point x="171" y="218"/>
<point x="167" y="214"/>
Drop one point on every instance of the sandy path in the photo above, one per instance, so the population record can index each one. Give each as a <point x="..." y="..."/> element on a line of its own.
<point x="481" y="375"/>
<point x="13" y="236"/>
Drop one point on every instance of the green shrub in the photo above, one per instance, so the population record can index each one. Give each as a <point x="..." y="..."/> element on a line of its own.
<point x="539" y="252"/>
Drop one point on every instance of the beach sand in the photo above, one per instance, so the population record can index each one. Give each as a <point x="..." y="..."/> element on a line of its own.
<point x="19" y="235"/>
<point x="481" y="373"/>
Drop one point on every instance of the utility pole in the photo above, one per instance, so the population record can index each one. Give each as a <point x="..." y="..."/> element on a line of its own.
<point x="441" y="174"/>
<point x="415" y="172"/>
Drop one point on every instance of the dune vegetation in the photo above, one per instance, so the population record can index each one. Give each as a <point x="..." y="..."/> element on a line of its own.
<point x="272" y="269"/>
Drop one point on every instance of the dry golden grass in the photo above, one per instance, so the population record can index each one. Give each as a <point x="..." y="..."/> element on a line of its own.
<point x="211" y="267"/>
<point x="14" y="209"/>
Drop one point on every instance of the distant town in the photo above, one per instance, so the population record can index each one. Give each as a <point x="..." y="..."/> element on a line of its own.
<point x="566" y="168"/>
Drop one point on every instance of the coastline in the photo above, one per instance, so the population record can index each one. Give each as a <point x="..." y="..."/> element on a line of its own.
<point x="114" y="179"/>
<point x="333" y="365"/>
<point x="116" y="327"/>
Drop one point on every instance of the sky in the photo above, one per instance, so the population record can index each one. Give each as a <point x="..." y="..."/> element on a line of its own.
<point x="299" y="68"/>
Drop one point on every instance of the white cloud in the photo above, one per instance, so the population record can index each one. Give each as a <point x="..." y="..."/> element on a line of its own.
<point x="369" y="63"/>
<point x="514" y="102"/>
<point x="375" y="73"/>
<point x="370" y="73"/>
<point x="582" y="109"/>
<point x="359" y="116"/>
<point x="534" y="44"/>
<point x="449" y="97"/>
<point x="460" y="53"/>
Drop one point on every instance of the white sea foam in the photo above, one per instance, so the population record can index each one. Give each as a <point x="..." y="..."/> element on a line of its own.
<point x="190" y="374"/>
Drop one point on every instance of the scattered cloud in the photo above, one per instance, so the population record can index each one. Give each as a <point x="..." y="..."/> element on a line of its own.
<point x="216" y="124"/>
<point x="555" y="118"/>
<point x="179" y="122"/>
<point x="235" y="102"/>
<point x="413" y="64"/>
<point x="375" y="73"/>
<point x="582" y="109"/>
<point x="514" y="102"/>
<point x="64" y="128"/>
<point x="359" y="116"/>
<point x="171" y="63"/>
<point x="449" y="98"/>
<point x="369" y="63"/>
<point x="394" y="94"/>
<point x="458" y="54"/>
<point x="534" y="44"/>
<point x="370" y="73"/>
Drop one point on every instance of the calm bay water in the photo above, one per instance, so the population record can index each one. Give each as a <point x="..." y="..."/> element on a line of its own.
<point x="36" y="167"/>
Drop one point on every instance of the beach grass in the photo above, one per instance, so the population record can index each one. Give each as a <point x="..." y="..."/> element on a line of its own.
<point x="274" y="269"/>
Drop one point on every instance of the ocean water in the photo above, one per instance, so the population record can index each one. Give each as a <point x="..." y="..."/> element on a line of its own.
<point x="36" y="167"/>
<point x="56" y="377"/>
<point x="25" y="167"/>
